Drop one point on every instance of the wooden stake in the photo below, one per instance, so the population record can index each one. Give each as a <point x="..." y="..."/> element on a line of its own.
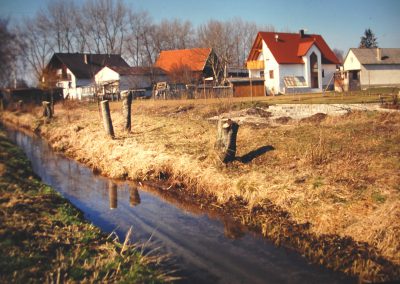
<point x="105" y="110"/>
<point x="126" y="109"/>
<point x="226" y="140"/>
<point x="47" y="109"/>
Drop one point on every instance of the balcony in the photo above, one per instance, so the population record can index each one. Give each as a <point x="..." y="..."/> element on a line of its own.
<point x="255" y="64"/>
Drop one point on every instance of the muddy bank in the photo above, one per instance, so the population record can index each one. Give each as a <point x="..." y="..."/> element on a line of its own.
<point x="334" y="251"/>
<point x="46" y="239"/>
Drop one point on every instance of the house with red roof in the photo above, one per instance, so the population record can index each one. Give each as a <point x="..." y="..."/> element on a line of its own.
<point x="189" y="65"/>
<point x="292" y="62"/>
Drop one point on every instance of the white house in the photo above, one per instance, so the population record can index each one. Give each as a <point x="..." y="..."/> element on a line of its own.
<point x="117" y="79"/>
<point x="292" y="62"/>
<point x="75" y="72"/>
<point x="371" y="67"/>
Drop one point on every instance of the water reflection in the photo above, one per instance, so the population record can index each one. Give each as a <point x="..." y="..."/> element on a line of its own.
<point x="113" y="194"/>
<point x="233" y="230"/>
<point x="134" y="197"/>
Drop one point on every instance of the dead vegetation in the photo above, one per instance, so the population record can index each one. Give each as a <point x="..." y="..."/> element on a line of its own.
<point x="334" y="180"/>
<point x="44" y="239"/>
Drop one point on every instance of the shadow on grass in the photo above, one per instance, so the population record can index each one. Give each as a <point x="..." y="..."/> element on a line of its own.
<point x="245" y="159"/>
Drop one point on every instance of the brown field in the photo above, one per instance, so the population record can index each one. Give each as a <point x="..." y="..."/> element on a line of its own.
<point x="330" y="179"/>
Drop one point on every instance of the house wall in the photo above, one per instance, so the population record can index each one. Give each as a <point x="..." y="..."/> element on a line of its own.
<point x="106" y="75"/>
<point x="307" y="67"/>
<point x="289" y="70"/>
<point x="329" y="71"/>
<point x="273" y="85"/>
<point x="351" y="62"/>
<point x="128" y="82"/>
<point x="380" y="75"/>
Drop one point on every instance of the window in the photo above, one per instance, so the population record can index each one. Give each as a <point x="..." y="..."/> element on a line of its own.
<point x="323" y="73"/>
<point x="271" y="74"/>
<point x="262" y="74"/>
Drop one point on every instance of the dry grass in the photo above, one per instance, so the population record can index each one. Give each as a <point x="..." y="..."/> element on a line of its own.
<point x="340" y="175"/>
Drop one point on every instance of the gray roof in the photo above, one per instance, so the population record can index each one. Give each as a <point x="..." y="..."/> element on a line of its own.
<point x="370" y="55"/>
<point x="76" y="62"/>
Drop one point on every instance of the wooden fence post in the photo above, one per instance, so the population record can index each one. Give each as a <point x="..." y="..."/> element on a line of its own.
<point x="105" y="110"/>
<point x="226" y="140"/>
<point x="47" y="109"/>
<point x="126" y="109"/>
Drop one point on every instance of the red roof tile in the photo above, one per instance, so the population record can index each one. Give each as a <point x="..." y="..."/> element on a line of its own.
<point x="195" y="59"/>
<point x="289" y="48"/>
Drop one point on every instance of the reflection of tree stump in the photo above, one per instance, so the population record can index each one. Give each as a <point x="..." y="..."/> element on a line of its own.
<point x="134" y="197"/>
<point x="226" y="140"/>
<point x="232" y="230"/>
<point x="47" y="109"/>
<point x="105" y="110"/>
<point x="126" y="109"/>
<point x="112" y="195"/>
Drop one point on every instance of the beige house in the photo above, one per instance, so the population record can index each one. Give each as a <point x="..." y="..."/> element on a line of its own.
<point x="371" y="67"/>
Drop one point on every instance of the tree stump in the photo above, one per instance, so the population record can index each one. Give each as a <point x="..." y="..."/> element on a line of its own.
<point x="112" y="195"/>
<point x="20" y="103"/>
<point x="226" y="140"/>
<point x="126" y="109"/>
<point x="47" y="109"/>
<point x="105" y="111"/>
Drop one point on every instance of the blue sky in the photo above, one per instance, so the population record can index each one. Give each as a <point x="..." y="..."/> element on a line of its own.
<point x="340" y="22"/>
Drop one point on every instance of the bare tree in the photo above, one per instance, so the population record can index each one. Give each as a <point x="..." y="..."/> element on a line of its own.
<point x="107" y="22"/>
<point x="10" y="48"/>
<point x="139" y="40"/>
<point x="339" y="54"/>
<point x="58" y="19"/>
<point x="38" y="44"/>
<point x="173" y="34"/>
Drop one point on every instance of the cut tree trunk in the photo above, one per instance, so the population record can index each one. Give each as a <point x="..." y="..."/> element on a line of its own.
<point x="105" y="110"/>
<point x="226" y="140"/>
<point x="126" y="109"/>
<point x="47" y="109"/>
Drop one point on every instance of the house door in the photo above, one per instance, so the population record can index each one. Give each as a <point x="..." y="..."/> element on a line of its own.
<point x="354" y="80"/>
<point x="314" y="70"/>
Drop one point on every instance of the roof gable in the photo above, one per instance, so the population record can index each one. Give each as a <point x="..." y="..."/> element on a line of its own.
<point x="289" y="48"/>
<point x="194" y="59"/>
<point x="370" y="55"/>
<point x="75" y="62"/>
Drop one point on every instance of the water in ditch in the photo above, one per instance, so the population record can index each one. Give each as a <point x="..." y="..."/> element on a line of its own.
<point x="204" y="249"/>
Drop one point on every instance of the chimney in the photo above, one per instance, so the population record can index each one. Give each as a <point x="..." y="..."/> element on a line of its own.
<point x="85" y="58"/>
<point x="378" y="54"/>
<point x="301" y="32"/>
<point x="276" y="37"/>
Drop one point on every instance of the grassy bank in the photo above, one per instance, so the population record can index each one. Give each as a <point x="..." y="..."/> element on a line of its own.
<point x="328" y="188"/>
<point x="43" y="238"/>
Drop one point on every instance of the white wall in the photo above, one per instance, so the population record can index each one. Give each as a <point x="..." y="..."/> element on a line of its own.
<point x="270" y="63"/>
<point x="329" y="71"/>
<point x="106" y="75"/>
<point x="351" y="62"/>
<point x="289" y="70"/>
<point x="307" y="67"/>
<point x="380" y="75"/>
